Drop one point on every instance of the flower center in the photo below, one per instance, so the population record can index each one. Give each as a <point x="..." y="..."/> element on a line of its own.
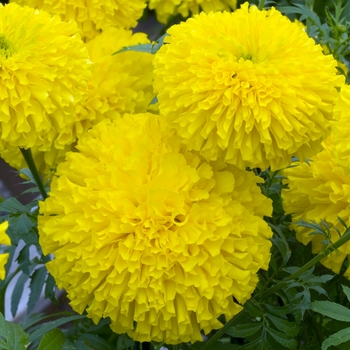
<point x="6" y="47"/>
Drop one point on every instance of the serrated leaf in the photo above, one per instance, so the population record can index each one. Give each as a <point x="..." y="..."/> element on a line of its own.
<point x="17" y="293"/>
<point x="151" y="48"/>
<point x="12" y="205"/>
<point x="279" y="240"/>
<point x="124" y="342"/>
<point x="14" y="336"/>
<point x="30" y="320"/>
<point x="52" y="340"/>
<point x="337" y="338"/>
<point x="346" y="290"/>
<point x="243" y="330"/>
<point x="283" y="339"/>
<point x="288" y="327"/>
<point x="36" y="286"/>
<point x="50" y="289"/>
<point x="332" y="310"/>
<point x="96" y="341"/>
<point x="253" y="309"/>
<point x="319" y="279"/>
<point x="51" y="325"/>
<point x="24" y="259"/>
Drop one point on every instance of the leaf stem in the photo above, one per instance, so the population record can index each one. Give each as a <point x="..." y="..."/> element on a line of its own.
<point x="345" y="238"/>
<point x="209" y="344"/>
<point x="28" y="157"/>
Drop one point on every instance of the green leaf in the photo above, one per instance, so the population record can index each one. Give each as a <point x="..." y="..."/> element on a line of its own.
<point x="51" y="325"/>
<point x="52" y="340"/>
<point x="124" y="342"/>
<point x="244" y="330"/>
<point x="279" y="240"/>
<point x="36" y="286"/>
<point x="288" y="327"/>
<point x="17" y="293"/>
<point x="253" y="309"/>
<point x="50" y="289"/>
<point x="12" y="205"/>
<point x="283" y="339"/>
<point x="346" y="290"/>
<point x="95" y="341"/>
<point x="14" y="337"/>
<point x="24" y="259"/>
<point x="332" y="310"/>
<point x="337" y="338"/>
<point x="151" y="48"/>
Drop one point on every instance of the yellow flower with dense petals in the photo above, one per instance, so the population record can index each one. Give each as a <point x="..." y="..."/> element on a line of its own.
<point x="320" y="190"/>
<point x="249" y="87"/>
<point x="168" y="8"/>
<point x="44" y="72"/>
<point x="151" y="235"/>
<point x="92" y="16"/>
<point x="4" y="239"/>
<point x="121" y="83"/>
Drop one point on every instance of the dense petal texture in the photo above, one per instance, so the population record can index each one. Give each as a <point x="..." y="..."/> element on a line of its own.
<point x="4" y="239"/>
<point x="319" y="191"/>
<point x="44" y="72"/>
<point x="166" y="9"/>
<point x="92" y="16"/>
<point x="121" y="83"/>
<point x="250" y="87"/>
<point x="151" y="235"/>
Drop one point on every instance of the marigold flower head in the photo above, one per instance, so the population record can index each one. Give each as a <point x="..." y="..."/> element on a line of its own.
<point x="121" y="83"/>
<point x="168" y="8"/>
<point x="320" y="190"/>
<point x="92" y="16"/>
<point x="341" y="128"/>
<point x="4" y="239"/>
<point x="44" y="73"/>
<point x="151" y="235"/>
<point x="249" y="86"/>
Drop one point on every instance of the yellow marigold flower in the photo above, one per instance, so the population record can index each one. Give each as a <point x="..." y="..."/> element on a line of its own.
<point x="121" y="83"/>
<point x="92" y="16"/>
<point x="319" y="191"/>
<point x="44" y="73"/>
<point x="167" y="8"/>
<point x="248" y="86"/>
<point x="341" y="128"/>
<point x="4" y="239"/>
<point x="151" y="235"/>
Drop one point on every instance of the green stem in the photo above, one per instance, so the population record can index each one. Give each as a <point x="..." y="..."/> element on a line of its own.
<point x="27" y="154"/>
<point x="221" y="331"/>
<point x="261" y="5"/>
<point x="345" y="238"/>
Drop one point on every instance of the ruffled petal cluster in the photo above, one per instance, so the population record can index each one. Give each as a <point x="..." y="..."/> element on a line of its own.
<point x="151" y="235"/>
<point x="165" y="9"/>
<point x="249" y="87"/>
<point x="121" y="83"/>
<point x="341" y="128"/>
<point x="4" y="239"/>
<point x="320" y="190"/>
<point x="44" y="72"/>
<point x="92" y="16"/>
